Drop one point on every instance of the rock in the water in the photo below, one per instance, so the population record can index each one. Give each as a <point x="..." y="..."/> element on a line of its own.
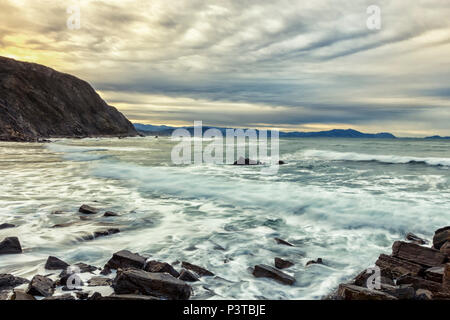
<point x="99" y="282"/>
<point x="318" y="261"/>
<point x="10" y="245"/>
<point x="198" y="270"/>
<point x="82" y="295"/>
<point x="283" y="264"/>
<point x="157" y="266"/>
<point x="264" y="271"/>
<point x="54" y="263"/>
<point x="88" y="209"/>
<point x="352" y="292"/>
<point x="131" y="281"/>
<point x="6" y="226"/>
<point x="441" y="236"/>
<point x="95" y="296"/>
<point x="63" y="297"/>
<point x="41" y="286"/>
<point x="125" y="259"/>
<point x="110" y="214"/>
<point x="102" y="233"/>
<point x="188" y="276"/>
<point x="283" y="242"/>
<point x="39" y="102"/>
<point x="8" y="281"/>
<point x="19" y="295"/>
<point x="415" y="239"/>
<point x="417" y="254"/>
<point x="58" y="212"/>
<point x="398" y="267"/>
<point x="246" y="162"/>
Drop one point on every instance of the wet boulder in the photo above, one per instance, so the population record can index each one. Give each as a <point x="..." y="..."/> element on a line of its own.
<point x="157" y="266"/>
<point x="101" y="233"/>
<point x="88" y="209"/>
<point x="126" y="259"/>
<point x="132" y="281"/>
<point x="10" y="245"/>
<point x="441" y="236"/>
<point x="54" y="263"/>
<point x="418" y="254"/>
<point x="41" y="286"/>
<point x="264" y="271"/>
<point x="198" y="270"/>
<point x="6" y="226"/>
<point x="283" y="264"/>
<point x="8" y="281"/>
<point x="188" y="276"/>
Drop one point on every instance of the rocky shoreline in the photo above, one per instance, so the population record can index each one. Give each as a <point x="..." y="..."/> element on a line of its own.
<point x="413" y="271"/>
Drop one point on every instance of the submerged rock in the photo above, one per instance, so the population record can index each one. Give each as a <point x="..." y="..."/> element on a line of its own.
<point x="110" y="214"/>
<point x="41" y="286"/>
<point x="283" y="242"/>
<point x="126" y="259"/>
<point x="10" y="245"/>
<point x="54" y="263"/>
<point x="131" y="281"/>
<point x="264" y="271"/>
<point x="188" y="276"/>
<point x="88" y="209"/>
<point x="157" y="266"/>
<point x="318" y="261"/>
<point x="198" y="270"/>
<point x="283" y="264"/>
<point x="6" y="226"/>
<point x="246" y="162"/>
<point x="8" y="281"/>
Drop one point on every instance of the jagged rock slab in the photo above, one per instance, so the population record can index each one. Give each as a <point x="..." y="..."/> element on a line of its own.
<point x="10" y="245"/>
<point x="8" y="281"/>
<point x="198" y="270"/>
<point x="263" y="271"/>
<point x="39" y="102"/>
<point x="126" y="259"/>
<point x="418" y="254"/>
<point x="398" y="267"/>
<point x="283" y="264"/>
<point x="54" y="263"/>
<point x="131" y="281"/>
<point x="41" y="286"/>
<point x="352" y="292"/>
<point x="157" y="266"/>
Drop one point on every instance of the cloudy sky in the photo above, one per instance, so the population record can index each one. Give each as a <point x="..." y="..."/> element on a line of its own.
<point x="287" y="64"/>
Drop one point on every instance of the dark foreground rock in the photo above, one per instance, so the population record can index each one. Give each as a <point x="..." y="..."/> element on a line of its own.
<point x="198" y="270"/>
<point x="264" y="271"/>
<point x="54" y="263"/>
<point x="417" y="254"/>
<point x="99" y="282"/>
<point x="20" y="295"/>
<point x="441" y="236"/>
<point x="8" y="281"/>
<point x="10" y="245"/>
<point x="126" y="259"/>
<point x="41" y="286"/>
<point x="352" y="292"/>
<point x="157" y="266"/>
<point x="131" y="281"/>
<point x="88" y="209"/>
<point x="188" y="276"/>
<point x="101" y="233"/>
<point x="39" y="102"/>
<point x="6" y="226"/>
<point x="283" y="264"/>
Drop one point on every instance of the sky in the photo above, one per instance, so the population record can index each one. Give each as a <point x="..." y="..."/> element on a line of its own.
<point x="282" y="64"/>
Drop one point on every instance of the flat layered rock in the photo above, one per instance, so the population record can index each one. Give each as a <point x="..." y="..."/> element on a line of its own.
<point x="198" y="270"/>
<point x="54" y="263"/>
<point x="435" y="274"/>
<point x="362" y="278"/>
<point x="8" y="281"/>
<point x="157" y="266"/>
<point x="418" y="254"/>
<point x="420" y="283"/>
<point x="283" y="264"/>
<point x="10" y="245"/>
<point x="99" y="282"/>
<point x="398" y="267"/>
<point x="188" y="276"/>
<point x="264" y="271"/>
<point x="41" y="286"/>
<point x="126" y="259"/>
<point x="441" y="236"/>
<point x="131" y="281"/>
<point x="352" y="292"/>
<point x="6" y="226"/>
<point x="88" y="209"/>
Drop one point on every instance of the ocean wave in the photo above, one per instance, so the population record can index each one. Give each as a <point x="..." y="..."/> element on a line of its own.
<point x="390" y="159"/>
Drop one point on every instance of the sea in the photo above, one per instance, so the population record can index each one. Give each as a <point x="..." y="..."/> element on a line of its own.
<point x="343" y="200"/>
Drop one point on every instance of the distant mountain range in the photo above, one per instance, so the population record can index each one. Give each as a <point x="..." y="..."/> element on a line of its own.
<point x="437" y="137"/>
<point x="147" y="129"/>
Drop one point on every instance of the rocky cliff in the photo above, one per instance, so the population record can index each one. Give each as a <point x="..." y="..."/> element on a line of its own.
<point x="38" y="102"/>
